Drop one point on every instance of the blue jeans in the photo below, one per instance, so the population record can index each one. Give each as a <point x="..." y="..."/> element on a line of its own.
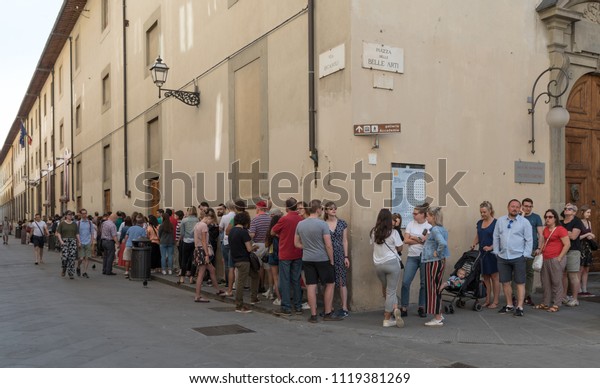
<point x="166" y="255"/>
<point x="410" y="270"/>
<point x="289" y="281"/>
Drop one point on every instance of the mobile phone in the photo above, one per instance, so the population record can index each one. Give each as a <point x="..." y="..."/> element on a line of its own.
<point x="425" y="232"/>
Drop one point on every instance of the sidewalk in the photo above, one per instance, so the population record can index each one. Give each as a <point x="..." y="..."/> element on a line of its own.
<point x="570" y="326"/>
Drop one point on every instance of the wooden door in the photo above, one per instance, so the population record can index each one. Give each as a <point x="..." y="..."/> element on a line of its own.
<point x="582" y="136"/>
<point x="154" y="192"/>
<point x="107" y="207"/>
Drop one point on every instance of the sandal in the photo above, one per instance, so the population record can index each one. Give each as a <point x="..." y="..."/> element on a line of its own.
<point x="492" y="306"/>
<point x="201" y="300"/>
<point x="220" y="292"/>
<point x="552" y="309"/>
<point x="541" y="306"/>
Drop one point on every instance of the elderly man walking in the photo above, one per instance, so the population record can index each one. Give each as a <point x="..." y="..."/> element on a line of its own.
<point x="110" y="243"/>
<point x="513" y="243"/>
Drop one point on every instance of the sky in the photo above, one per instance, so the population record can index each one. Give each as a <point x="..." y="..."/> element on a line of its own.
<point x="24" y="27"/>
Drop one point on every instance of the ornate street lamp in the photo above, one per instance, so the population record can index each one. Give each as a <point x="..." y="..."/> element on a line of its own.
<point x="159" y="72"/>
<point x="558" y="116"/>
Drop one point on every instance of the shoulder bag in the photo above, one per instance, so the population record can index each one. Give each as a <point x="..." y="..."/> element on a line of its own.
<point x="396" y="253"/>
<point x="538" y="261"/>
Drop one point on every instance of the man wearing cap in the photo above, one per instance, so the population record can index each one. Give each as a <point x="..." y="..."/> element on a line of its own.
<point x="258" y="232"/>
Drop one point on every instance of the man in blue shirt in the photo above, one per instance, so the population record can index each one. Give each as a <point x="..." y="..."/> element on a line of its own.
<point x="537" y="233"/>
<point x="513" y="243"/>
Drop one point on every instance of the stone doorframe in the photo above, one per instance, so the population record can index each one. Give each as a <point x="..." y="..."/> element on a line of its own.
<point x="573" y="44"/>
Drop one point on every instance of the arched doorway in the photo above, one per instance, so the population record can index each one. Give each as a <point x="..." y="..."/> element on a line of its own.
<point x="582" y="141"/>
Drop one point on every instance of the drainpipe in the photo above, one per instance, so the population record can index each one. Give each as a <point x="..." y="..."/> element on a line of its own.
<point x="125" y="148"/>
<point x="72" y="121"/>
<point x="314" y="155"/>
<point x="52" y="176"/>
<point x="38" y="188"/>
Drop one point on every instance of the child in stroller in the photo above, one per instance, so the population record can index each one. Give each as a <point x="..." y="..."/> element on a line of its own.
<point x="455" y="281"/>
<point x="464" y="283"/>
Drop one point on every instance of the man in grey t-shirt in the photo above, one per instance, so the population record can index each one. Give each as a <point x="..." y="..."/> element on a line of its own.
<point x="314" y="238"/>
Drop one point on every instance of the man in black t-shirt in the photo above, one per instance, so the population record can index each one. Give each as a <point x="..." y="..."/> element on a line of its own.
<point x="574" y="226"/>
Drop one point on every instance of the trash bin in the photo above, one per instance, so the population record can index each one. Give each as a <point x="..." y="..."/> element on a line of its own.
<point x="141" y="255"/>
<point x="18" y="232"/>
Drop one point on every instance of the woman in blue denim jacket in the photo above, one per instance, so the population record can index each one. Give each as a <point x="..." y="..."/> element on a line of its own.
<point x="435" y="253"/>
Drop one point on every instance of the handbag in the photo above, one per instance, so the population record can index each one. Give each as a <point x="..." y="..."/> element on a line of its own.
<point x="593" y="244"/>
<point x="396" y="253"/>
<point x="254" y="262"/>
<point x="538" y="261"/>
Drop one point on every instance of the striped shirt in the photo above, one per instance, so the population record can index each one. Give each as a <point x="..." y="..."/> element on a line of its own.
<point x="259" y="226"/>
<point x="178" y="231"/>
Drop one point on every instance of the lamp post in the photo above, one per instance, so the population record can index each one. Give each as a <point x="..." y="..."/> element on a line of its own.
<point x="159" y="72"/>
<point x="558" y="116"/>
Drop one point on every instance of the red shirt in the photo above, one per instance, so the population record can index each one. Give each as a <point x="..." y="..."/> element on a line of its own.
<point x="554" y="245"/>
<point x="286" y="230"/>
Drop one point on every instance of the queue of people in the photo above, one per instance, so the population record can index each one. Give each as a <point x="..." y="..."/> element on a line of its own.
<point x="307" y="250"/>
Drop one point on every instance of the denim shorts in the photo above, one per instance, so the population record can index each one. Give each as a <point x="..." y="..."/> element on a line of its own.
<point x="273" y="260"/>
<point x="318" y="270"/>
<point x="506" y="268"/>
<point x="227" y="257"/>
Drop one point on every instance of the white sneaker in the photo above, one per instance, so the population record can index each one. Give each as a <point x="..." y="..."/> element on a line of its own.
<point x="164" y="272"/>
<point x="267" y="294"/>
<point x="277" y="302"/>
<point x="305" y="306"/>
<point x="399" y="320"/>
<point x="170" y="272"/>
<point x="435" y="322"/>
<point x="389" y="323"/>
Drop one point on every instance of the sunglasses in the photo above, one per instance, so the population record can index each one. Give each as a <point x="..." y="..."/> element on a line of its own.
<point x="548" y="217"/>
<point x="510" y="223"/>
<point x="569" y="208"/>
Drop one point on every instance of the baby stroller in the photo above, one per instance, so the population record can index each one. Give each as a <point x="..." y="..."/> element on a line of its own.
<point x="472" y="288"/>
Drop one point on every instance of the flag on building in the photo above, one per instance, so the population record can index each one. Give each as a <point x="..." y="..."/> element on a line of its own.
<point x="23" y="135"/>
